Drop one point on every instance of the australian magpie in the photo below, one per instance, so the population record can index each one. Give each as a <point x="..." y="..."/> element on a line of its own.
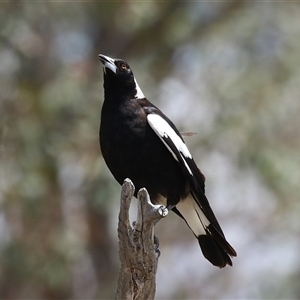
<point x="140" y="142"/>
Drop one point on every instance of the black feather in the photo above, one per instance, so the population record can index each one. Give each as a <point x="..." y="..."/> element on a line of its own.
<point x="213" y="252"/>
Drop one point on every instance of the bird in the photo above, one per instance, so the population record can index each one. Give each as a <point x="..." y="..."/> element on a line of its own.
<point x="138" y="141"/>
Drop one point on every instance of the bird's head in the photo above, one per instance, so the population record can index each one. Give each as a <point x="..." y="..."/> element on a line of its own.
<point x="119" y="77"/>
<point x="116" y="68"/>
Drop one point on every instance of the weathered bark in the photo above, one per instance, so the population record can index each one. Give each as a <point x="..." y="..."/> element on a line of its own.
<point x="137" y="251"/>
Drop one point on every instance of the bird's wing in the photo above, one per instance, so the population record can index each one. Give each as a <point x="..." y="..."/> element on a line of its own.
<point x="172" y="139"/>
<point x="201" y="210"/>
<point x="170" y="136"/>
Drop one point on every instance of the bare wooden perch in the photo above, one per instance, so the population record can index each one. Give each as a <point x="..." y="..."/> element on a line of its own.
<point x="137" y="250"/>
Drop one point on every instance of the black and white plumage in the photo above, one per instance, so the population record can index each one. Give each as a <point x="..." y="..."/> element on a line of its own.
<point x="139" y="142"/>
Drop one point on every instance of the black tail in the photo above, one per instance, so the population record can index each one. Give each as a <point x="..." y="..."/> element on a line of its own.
<point x="207" y="230"/>
<point x="215" y="248"/>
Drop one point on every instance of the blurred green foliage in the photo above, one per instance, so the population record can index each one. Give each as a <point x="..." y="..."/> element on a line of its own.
<point x="228" y="70"/>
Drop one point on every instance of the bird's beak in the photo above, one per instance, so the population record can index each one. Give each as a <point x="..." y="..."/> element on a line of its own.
<point x="108" y="63"/>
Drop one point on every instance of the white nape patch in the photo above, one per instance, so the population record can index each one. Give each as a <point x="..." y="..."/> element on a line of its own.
<point x="110" y="64"/>
<point x="193" y="215"/>
<point x="139" y="94"/>
<point x="163" y="129"/>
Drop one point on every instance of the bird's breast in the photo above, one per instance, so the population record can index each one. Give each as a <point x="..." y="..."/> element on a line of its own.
<point x="122" y="135"/>
<point x="132" y="150"/>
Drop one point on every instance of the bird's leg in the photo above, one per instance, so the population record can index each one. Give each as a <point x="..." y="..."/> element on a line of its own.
<point x="170" y="206"/>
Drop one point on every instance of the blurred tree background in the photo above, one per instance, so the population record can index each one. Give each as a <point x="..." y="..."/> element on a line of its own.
<point x="227" y="70"/>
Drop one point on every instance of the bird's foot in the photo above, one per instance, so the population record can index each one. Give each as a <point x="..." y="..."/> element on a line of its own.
<point x="163" y="211"/>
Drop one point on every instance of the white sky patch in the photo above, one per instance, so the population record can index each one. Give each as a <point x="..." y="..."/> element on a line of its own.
<point x="139" y="93"/>
<point x="70" y="46"/>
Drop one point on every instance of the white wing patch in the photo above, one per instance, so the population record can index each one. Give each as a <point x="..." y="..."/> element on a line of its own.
<point x="163" y="129"/>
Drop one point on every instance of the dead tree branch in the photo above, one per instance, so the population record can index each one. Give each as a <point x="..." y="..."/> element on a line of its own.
<point x="138" y="253"/>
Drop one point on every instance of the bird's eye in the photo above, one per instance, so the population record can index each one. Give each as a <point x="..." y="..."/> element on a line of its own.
<point x="123" y="67"/>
